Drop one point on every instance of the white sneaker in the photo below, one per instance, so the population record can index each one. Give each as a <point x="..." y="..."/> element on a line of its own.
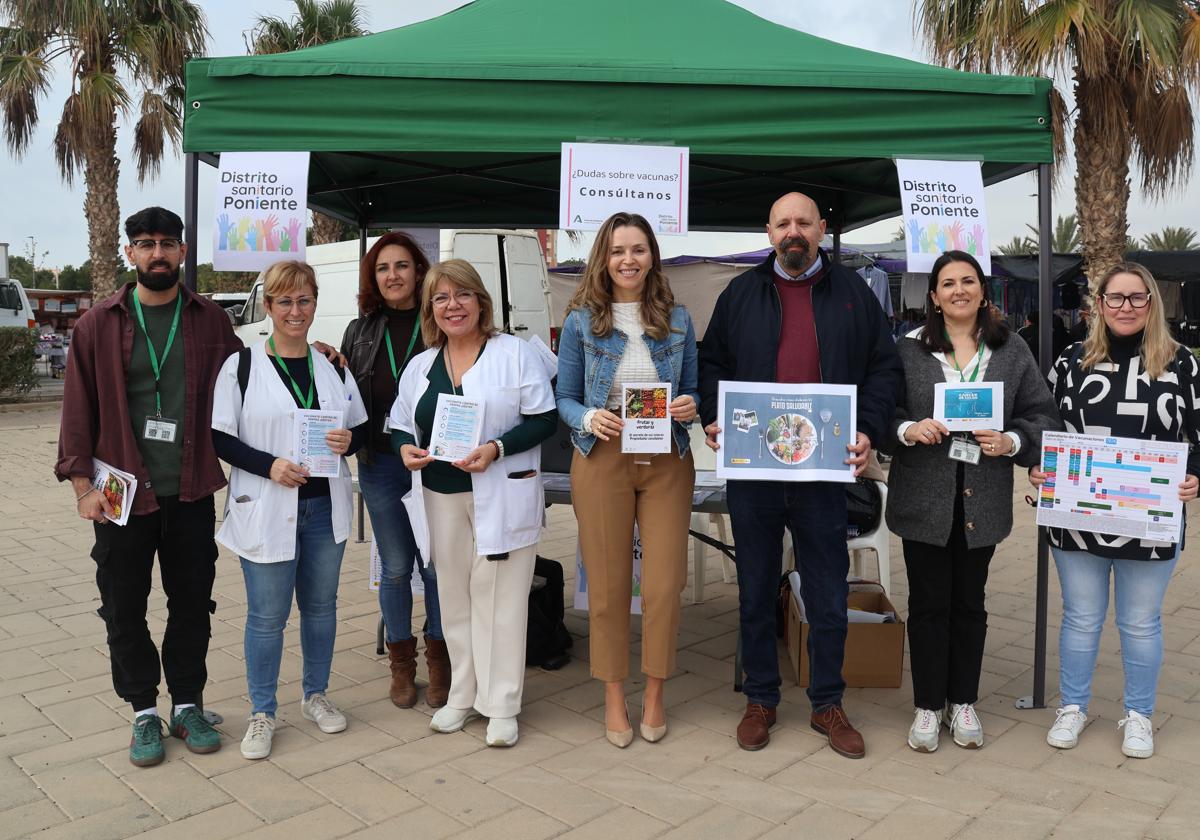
<point x="447" y="719"/>
<point x="502" y="732"/>
<point x="319" y="709"/>
<point x="965" y="726"/>
<point x="257" y="741"/>
<point x="923" y="734"/>
<point x="1068" y="723"/>
<point x="1139" y="735"/>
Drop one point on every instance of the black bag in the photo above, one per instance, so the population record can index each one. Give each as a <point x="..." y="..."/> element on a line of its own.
<point x="864" y="507"/>
<point x="547" y="640"/>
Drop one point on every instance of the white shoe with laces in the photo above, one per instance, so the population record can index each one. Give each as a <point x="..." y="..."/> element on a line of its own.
<point x="257" y="741"/>
<point x="923" y="734"/>
<point x="502" y="732"/>
<point x="320" y="710"/>
<point x="1068" y="723"/>
<point x="447" y="719"/>
<point x="965" y="726"/>
<point x="1139" y="735"/>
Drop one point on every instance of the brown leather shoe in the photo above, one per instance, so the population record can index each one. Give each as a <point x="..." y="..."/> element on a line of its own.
<point x="403" y="659"/>
<point x="843" y="738"/>
<point x="753" y="733"/>
<point x="437" y="659"/>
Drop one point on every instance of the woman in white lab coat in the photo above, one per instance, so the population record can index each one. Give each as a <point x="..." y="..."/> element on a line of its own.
<point x="476" y="518"/>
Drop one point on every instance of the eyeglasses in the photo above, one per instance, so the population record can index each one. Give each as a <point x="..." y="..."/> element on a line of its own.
<point x="147" y="246"/>
<point x="304" y="303"/>
<point x="1116" y="300"/>
<point x="461" y="296"/>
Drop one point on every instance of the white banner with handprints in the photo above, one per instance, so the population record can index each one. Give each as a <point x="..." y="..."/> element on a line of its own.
<point x="944" y="210"/>
<point x="261" y="211"/>
<point x="599" y="179"/>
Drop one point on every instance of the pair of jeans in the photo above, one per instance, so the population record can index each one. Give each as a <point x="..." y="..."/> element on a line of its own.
<point x="384" y="481"/>
<point x="815" y="514"/>
<point x="181" y="534"/>
<point x="1140" y="586"/>
<point x="312" y="575"/>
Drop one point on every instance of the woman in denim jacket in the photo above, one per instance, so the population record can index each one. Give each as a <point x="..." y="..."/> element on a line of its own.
<point x="624" y="327"/>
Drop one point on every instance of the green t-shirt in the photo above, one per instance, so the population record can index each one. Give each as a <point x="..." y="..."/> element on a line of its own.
<point x="162" y="459"/>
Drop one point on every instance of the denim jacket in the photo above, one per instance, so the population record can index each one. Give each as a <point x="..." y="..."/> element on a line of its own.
<point x="587" y="364"/>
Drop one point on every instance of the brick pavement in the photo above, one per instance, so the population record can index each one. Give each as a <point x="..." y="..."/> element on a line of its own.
<point x="63" y="733"/>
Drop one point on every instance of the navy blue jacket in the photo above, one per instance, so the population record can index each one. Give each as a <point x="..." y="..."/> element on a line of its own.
<point x="853" y="337"/>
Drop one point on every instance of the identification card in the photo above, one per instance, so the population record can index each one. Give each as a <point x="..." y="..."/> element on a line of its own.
<point x="160" y="429"/>
<point x="965" y="451"/>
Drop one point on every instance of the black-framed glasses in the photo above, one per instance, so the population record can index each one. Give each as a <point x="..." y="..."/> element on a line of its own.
<point x="1116" y="300"/>
<point x="147" y="246"/>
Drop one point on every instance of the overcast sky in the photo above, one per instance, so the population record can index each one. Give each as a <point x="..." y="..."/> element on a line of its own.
<point x="35" y="202"/>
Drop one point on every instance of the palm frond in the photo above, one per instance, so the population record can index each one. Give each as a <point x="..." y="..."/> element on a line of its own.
<point x="70" y="139"/>
<point x="1164" y="134"/>
<point x="160" y="122"/>
<point x="1170" y="239"/>
<point x="24" y="78"/>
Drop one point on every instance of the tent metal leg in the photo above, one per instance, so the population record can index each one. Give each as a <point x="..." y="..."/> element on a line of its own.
<point x="191" y="171"/>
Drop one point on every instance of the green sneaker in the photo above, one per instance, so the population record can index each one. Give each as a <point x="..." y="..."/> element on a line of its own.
<point x="191" y="727"/>
<point x="146" y="746"/>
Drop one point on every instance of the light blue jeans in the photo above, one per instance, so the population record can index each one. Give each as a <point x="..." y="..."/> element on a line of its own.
<point x="312" y="575"/>
<point x="1140" y="586"/>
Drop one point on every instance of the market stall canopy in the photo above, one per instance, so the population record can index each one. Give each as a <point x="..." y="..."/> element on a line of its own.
<point x="458" y="120"/>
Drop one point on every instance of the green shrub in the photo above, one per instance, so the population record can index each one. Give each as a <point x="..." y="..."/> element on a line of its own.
<point x="18" y="350"/>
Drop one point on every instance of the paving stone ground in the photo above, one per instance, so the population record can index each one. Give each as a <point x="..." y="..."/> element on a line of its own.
<point x="64" y="770"/>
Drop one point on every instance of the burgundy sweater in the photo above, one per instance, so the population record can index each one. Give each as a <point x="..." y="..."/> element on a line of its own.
<point x="799" y="357"/>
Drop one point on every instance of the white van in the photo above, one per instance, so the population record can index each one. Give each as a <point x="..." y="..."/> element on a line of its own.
<point x="509" y="262"/>
<point x="15" y="310"/>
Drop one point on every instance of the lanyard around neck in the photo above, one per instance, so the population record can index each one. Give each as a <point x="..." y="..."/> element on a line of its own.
<point x="305" y="401"/>
<point x="962" y="377"/>
<point x="156" y="363"/>
<point x="412" y="342"/>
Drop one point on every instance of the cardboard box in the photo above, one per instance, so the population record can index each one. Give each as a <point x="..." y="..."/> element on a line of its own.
<point x="874" y="652"/>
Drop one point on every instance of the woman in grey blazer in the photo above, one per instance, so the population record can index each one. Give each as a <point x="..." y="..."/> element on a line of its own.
<point x="950" y="495"/>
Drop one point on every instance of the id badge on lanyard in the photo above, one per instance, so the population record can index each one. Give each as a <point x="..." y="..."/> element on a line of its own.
<point x="965" y="450"/>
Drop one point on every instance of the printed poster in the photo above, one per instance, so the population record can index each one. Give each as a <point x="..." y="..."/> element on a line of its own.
<point x="375" y="573"/>
<point x="783" y="432"/>
<point x="647" y="421"/>
<point x="944" y="210"/>
<point x="261" y="212"/>
<point x="599" y="179"/>
<point x="581" y="579"/>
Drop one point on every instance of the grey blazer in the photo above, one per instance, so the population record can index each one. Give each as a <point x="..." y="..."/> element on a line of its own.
<point x="921" y="484"/>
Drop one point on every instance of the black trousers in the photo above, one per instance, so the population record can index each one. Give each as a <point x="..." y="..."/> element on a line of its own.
<point x="947" y="619"/>
<point x="181" y="534"/>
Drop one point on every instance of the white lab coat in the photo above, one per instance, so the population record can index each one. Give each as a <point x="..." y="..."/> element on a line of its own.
<point x="260" y="514"/>
<point x="511" y="380"/>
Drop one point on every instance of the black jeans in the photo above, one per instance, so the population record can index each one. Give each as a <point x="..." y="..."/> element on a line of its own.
<point x="181" y="533"/>
<point x="947" y="619"/>
<point x="815" y="513"/>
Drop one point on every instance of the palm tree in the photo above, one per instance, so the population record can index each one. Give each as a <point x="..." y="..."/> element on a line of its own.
<point x="315" y="22"/>
<point x="1019" y="246"/>
<point x="1065" y="239"/>
<point x="1132" y="64"/>
<point x="116" y="51"/>
<point x="1170" y="239"/>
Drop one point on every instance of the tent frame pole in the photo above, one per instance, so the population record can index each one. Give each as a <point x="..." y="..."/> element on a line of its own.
<point x="191" y="172"/>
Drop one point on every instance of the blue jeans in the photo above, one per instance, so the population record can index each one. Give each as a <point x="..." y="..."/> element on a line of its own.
<point x="384" y="481"/>
<point x="313" y="576"/>
<point x="815" y="513"/>
<point x="1140" y="586"/>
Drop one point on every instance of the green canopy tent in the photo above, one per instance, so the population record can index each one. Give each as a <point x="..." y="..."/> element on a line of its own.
<point x="457" y="121"/>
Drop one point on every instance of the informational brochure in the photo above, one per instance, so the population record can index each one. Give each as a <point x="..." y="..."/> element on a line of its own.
<point x="647" y="420"/>
<point x="117" y="486"/>
<point x="1112" y="485"/>
<point x="309" y="428"/>
<point x="967" y="406"/>
<point x="581" y="578"/>
<point x="457" y="425"/>
<point x="785" y="432"/>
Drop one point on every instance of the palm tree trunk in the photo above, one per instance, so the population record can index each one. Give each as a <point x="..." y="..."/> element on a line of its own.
<point x="101" y="208"/>
<point x="1102" y="149"/>
<point x="326" y="229"/>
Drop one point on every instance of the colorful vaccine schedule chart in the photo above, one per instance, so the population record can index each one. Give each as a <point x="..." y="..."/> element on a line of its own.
<point x="1112" y="485"/>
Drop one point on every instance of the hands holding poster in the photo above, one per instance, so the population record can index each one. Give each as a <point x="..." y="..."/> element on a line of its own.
<point x="944" y="210"/>
<point x="261" y="213"/>
<point x="599" y="179"/>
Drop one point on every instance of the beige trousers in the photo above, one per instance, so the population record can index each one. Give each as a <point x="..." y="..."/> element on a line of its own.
<point x="485" y="609"/>
<point x="609" y="491"/>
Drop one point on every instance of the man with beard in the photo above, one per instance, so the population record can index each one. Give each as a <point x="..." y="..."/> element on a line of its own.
<point x="138" y="396"/>
<point x="797" y="317"/>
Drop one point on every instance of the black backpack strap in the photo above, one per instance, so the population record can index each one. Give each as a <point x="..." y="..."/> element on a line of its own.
<point x="243" y="372"/>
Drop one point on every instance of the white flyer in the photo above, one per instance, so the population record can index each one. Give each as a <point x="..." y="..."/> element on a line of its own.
<point x="457" y="425"/>
<point x="117" y="486"/>
<point x="647" y="420"/>
<point x="967" y="406"/>
<point x="1112" y="485"/>
<point x="309" y="428"/>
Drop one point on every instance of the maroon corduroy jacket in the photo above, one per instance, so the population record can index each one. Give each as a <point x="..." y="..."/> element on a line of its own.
<point x="95" y="414"/>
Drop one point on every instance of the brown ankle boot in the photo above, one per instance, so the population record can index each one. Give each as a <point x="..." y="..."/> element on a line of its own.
<point x="438" y="661"/>
<point x="403" y="657"/>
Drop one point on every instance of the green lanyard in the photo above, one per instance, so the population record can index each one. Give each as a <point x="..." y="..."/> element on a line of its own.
<point x="304" y="401"/>
<point x="412" y="342"/>
<point x="155" y="362"/>
<point x="974" y="374"/>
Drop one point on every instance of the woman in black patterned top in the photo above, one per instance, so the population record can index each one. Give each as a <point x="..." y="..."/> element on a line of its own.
<point x="1128" y="378"/>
